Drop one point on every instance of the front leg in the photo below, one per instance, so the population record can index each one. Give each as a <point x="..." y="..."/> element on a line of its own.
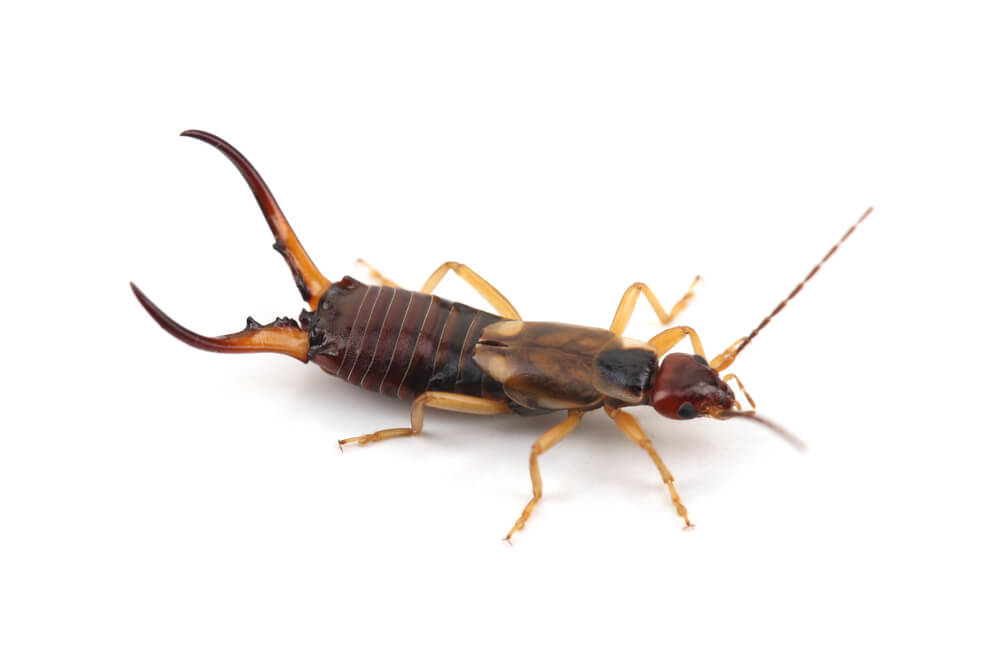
<point x="435" y="399"/>
<point x="665" y="340"/>
<point x="628" y="424"/>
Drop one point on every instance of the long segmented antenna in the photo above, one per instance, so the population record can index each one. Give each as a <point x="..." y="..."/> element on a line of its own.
<point x="311" y="283"/>
<point x="798" y="288"/>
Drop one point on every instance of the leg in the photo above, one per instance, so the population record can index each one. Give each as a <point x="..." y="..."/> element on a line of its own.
<point x="376" y="274"/>
<point x="434" y="399"/>
<point x="543" y="444"/>
<point x="665" y="340"/>
<point x="478" y="283"/>
<point x="631" y="296"/>
<point x="631" y="428"/>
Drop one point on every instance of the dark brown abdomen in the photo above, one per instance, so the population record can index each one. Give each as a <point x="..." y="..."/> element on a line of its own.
<point x="397" y="342"/>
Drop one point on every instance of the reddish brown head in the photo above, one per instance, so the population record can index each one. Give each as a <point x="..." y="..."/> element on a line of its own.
<point x="687" y="387"/>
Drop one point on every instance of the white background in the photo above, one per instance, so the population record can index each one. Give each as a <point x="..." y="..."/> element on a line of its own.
<point x="164" y="506"/>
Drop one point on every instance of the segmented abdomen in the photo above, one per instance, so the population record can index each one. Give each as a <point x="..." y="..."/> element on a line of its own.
<point x="398" y="342"/>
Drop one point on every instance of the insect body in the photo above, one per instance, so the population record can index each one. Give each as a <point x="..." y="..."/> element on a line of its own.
<point x="419" y="347"/>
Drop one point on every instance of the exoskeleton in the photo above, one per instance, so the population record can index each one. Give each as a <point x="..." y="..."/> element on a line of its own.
<point x="418" y="347"/>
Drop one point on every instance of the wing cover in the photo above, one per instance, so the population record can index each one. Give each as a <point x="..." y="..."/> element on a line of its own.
<point x="544" y="365"/>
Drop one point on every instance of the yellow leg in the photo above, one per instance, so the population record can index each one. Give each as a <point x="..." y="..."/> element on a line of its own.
<point x="542" y="445"/>
<point x="665" y="340"/>
<point x="376" y="274"/>
<point x="631" y="428"/>
<point x="627" y="305"/>
<point x="492" y="295"/>
<point x="433" y="399"/>
<point x="478" y="283"/>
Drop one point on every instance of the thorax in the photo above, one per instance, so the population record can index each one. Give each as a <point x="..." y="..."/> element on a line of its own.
<point x="554" y="366"/>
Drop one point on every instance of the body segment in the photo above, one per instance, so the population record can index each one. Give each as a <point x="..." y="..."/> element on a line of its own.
<point x="398" y="342"/>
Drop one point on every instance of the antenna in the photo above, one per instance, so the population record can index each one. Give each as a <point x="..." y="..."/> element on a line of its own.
<point x="799" y="287"/>
<point x="751" y="414"/>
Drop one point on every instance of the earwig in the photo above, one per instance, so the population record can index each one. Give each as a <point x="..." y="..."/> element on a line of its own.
<point x="418" y="347"/>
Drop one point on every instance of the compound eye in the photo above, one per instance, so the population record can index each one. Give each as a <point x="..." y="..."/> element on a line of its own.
<point x="687" y="411"/>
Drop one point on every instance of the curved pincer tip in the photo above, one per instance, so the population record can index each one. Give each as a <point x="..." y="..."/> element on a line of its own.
<point x="311" y="283"/>
<point x="203" y="136"/>
<point x="282" y="336"/>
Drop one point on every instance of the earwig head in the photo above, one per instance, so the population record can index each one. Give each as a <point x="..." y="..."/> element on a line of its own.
<point x="686" y="387"/>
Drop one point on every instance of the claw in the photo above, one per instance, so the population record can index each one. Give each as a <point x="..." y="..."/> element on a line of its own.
<point x="283" y="335"/>
<point x="311" y="283"/>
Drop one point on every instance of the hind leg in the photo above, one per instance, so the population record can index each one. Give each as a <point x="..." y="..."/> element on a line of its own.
<point x="376" y="274"/>
<point x="441" y="400"/>
<point x="500" y="304"/>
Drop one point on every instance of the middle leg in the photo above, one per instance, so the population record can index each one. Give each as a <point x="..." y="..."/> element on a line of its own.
<point x="542" y="445"/>
<point x="627" y="305"/>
